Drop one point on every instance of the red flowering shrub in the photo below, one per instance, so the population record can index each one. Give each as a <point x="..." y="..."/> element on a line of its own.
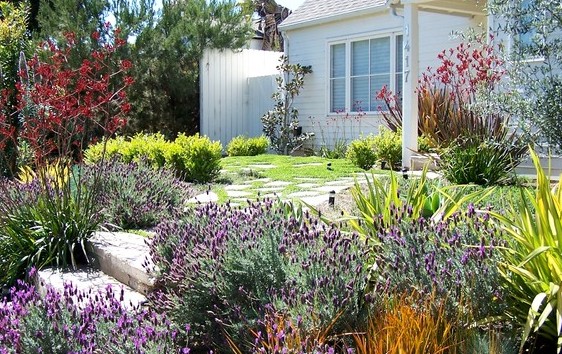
<point x="62" y="108"/>
<point x="457" y="115"/>
<point x="447" y="95"/>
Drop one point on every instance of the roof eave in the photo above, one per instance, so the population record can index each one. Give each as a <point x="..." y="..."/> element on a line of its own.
<point x="338" y="17"/>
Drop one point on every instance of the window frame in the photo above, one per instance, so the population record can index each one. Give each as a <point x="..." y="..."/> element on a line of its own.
<point x="393" y="34"/>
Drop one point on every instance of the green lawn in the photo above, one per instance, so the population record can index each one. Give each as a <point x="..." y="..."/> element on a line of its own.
<point x="259" y="170"/>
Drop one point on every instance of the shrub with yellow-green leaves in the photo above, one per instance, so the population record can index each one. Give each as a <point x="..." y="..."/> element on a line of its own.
<point x="195" y="158"/>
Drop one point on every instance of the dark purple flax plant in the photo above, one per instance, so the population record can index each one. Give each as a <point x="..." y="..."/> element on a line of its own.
<point x="222" y="268"/>
<point x="81" y="322"/>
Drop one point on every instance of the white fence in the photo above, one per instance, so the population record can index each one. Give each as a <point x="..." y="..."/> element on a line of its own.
<point x="236" y="89"/>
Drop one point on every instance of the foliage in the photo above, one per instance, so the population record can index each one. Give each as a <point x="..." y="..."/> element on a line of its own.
<point x="532" y="267"/>
<point x="422" y="199"/>
<point x="135" y="195"/>
<point x="14" y="40"/>
<point x="485" y="162"/>
<point x="536" y="49"/>
<point x="220" y="268"/>
<point x="282" y="333"/>
<point x="244" y="146"/>
<point x="280" y="124"/>
<point x="456" y="105"/>
<point x="165" y="96"/>
<point x="337" y="126"/>
<point x="14" y="43"/>
<point x="64" y="108"/>
<point x="165" y="45"/>
<point x="362" y="152"/>
<point x="404" y="326"/>
<point x="388" y="147"/>
<point x="80" y="322"/>
<point x="194" y="158"/>
<point x="455" y="259"/>
<point x="270" y="15"/>
<point x="46" y="221"/>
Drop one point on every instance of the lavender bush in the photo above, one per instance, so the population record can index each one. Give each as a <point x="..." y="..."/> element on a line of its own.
<point x="455" y="259"/>
<point x="79" y="322"/>
<point x="135" y="195"/>
<point x="222" y="268"/>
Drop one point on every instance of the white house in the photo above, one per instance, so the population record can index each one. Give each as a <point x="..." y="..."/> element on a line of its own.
<point x="357" y="46"/>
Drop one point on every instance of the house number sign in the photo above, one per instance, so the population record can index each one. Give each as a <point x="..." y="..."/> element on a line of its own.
<point x="406" y="48"/>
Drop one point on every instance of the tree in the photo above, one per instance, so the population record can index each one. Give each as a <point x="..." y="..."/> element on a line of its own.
<point x="534" y="26"/>
<point x="14" y="42"/>
<point x="281" y="124"/>
<point x="165" y="47"/>
<point x="271" y="15"/>
<point x="166" y="95"/>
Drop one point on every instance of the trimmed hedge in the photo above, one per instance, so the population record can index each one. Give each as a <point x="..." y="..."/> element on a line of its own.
<point x="194" y="158"/>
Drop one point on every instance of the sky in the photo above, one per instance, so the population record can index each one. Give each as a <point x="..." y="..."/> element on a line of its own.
<point x="291" y="4"/>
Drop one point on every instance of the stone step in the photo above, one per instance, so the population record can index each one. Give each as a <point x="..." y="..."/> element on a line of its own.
<point x="85" y="280"/>
<point x="122" y="256"/>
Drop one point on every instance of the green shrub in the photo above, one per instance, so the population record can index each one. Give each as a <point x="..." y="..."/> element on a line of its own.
<point x="388" y="147"/>
<point x="484" y="162"/>
<point x="150" y="147"/>
<point x="220" y="268"/>
<point x="362" y="152"/>
<point x="244" y="146"/>
<point x="104" y="149"/>
<point x="532" y="267"/>
<point x="45" y="221"/>
<point x="196" y="157"/>
<point x="424" y="144"/>
<point x="137" y="196"/>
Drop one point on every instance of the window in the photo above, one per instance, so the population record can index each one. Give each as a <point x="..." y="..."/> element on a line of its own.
<point x="360" y="68"/>
<point x="529" y="31"/>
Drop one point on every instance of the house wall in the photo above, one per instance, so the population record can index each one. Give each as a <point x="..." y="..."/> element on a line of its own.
<point x="310" y="46"/>
<point x="236" y="89"/>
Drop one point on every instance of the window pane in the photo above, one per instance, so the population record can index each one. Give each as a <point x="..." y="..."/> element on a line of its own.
<point x="399" y="86"/>
<point x="337" y="60"/>
<point x="360" y="58"/>
<point x="337" y="93"/>
<point x="380" y="55"/>
<point x="399" y="53"/>
<point x="360" y="93"/>
<point x="377" y="82"/>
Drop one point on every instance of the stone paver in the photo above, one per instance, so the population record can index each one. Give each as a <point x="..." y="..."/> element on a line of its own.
<point x="307" y="185"/>
<point x="270" y="189"/>
<point x="315" y="200"/>
<point x="236" y="187"/>
<point x="339" y="183"/>
<point x="85" y="280"/>
<point x="303" y="194"/>
<point x="257" y="180"/>
<point x="264" y="166"/>
<point x="328" y="189"/>
<point x="123" y="256"/>
<point x="206" y="197"/>
<point x="277" y="184"/>
<point x="237" y="194"/>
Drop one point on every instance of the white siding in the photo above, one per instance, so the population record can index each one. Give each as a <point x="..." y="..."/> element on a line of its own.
<point x="232" y="101"/>
<point x="310" y="46"/>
